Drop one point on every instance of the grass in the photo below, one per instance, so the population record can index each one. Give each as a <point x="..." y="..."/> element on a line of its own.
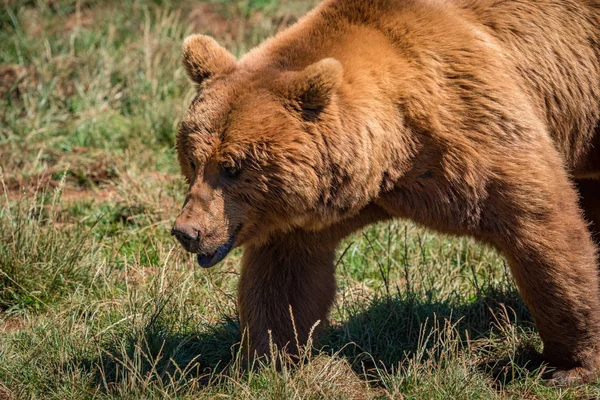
<point x="98" y="301"/>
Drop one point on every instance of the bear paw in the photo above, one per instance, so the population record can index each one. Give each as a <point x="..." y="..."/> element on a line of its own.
<point x="573" y="376"/>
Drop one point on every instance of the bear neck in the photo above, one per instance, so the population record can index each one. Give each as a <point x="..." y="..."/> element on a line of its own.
<point x="368" y="148"/>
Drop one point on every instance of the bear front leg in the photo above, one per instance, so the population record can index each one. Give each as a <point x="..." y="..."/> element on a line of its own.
<point x="553" y="260"/>
<point x="294" y="270"/>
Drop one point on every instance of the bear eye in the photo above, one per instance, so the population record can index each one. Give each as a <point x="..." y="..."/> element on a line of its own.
<point x="193" y="165"/>
<point x="230" y="171"/>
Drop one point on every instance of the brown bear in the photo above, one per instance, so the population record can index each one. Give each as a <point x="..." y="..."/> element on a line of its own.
<point x="471" y="117"/>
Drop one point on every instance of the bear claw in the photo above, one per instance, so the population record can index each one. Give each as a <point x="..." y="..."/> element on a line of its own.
<point x="574" y="376"/>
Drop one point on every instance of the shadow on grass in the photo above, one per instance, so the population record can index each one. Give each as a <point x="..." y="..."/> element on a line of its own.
<point x="387" y="334"/>
<point x="383" y="335"/>
<point x="162" y="351"/>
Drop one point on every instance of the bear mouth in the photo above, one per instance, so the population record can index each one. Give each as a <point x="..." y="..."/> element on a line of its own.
<point x="207" y="260"/>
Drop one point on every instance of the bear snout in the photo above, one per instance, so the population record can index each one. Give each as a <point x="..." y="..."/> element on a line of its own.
<point x="187" y="236"/>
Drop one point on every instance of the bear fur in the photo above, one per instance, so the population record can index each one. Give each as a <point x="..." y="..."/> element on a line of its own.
<point x="470" y="117"/>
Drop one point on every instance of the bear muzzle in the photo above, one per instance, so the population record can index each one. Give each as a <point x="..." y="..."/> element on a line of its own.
<point x="207" y="260"/>
<point x="187" y="236"/>
<point x="190" y="239"/>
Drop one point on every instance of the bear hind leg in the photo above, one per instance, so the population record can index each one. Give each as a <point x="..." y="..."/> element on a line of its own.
<point x="553" y="260"/>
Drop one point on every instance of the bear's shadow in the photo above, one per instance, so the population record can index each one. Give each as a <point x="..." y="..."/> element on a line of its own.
<point x="383" y="335"/>
<point x="392" y="330"/>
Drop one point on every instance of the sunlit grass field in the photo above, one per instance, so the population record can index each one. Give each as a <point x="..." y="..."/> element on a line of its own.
<point x="97" y="300"/>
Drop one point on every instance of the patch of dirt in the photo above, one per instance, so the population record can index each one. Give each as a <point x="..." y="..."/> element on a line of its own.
<point x="81" y="18"/>
<point x="10" y="324"/>
<point x="71" y="194"/>
<point x="139" y="276"/>
<point x="18" y="188"/>
<point x="161" y="177"/>
<point x="31" y="21"/>
<point x="5" y="393"/>
<point x="226" y="21"/>
<point x="80" y="182"/>
<point x="107" y="193"/>
<point x="204" y="18"/>
<point x="98" y="172"/>
<point x="16" y="80"/>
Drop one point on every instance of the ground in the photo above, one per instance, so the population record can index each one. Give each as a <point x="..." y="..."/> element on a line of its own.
<point x="97" y="300"/>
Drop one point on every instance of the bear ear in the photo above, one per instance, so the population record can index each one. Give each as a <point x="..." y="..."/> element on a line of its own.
<point x="314" y="87"/>
<point x="203" y="57"/>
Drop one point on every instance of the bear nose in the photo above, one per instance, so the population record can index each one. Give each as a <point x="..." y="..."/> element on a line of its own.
<point x="186" y="235"/>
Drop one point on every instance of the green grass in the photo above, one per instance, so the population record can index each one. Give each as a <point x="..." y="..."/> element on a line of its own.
<point x="98" y="301"/>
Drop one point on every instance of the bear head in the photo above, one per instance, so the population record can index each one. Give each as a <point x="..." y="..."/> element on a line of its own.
<point x="253" y="148"/>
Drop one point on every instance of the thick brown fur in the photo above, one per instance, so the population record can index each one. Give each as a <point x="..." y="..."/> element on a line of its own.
<point x="471" y="117"/>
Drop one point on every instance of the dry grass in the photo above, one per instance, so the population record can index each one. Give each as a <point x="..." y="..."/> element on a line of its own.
<point x="98" y="301"/>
